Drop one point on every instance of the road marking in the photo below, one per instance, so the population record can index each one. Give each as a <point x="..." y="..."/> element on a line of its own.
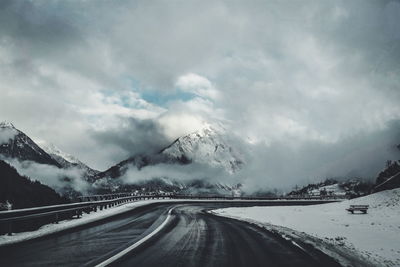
<point x="137" y="244"/>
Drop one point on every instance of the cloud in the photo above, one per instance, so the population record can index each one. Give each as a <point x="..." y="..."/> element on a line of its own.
<point x="270" y="72"/>
<point x="198" y="85"/>
<point x="180" y="173"/>
<point x="283" y="164"/>
<point x="131" y="137"/>
<point x="6" y="134"/>
<point x="59" y="179"/>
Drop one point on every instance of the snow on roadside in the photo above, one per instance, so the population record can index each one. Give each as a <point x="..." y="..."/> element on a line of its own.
<point x="375" y="235"/>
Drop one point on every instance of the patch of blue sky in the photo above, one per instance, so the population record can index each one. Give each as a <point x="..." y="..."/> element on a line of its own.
<point x="159" y="97"/>
<point x="162" y="99"/>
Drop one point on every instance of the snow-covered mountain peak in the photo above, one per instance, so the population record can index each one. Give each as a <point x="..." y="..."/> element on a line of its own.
<point x="7" y="132"/>
<point x="207" y="146"/>
<point x="16" y="144"/>
<point x="212" y="129"/>
<point x="6" y="124"/>
<point x="52" y="149"/>
<point x="64" y="159"/>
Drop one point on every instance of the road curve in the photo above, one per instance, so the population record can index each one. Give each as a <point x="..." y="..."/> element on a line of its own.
<point x="195" y="238"/>
<point x="191" y="238"/>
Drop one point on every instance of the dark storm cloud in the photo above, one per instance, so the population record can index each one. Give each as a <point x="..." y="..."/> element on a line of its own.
<point x="133" y="137"/>
<point x="36" y="31"/>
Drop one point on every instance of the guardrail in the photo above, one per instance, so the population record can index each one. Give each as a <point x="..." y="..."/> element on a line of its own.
<point x="104" y="196"/>
<point x="53" y="214"/>
<point x="327" y="198"/>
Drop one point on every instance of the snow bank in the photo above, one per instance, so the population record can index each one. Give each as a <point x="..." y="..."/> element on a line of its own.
<point x="375" y="235"/>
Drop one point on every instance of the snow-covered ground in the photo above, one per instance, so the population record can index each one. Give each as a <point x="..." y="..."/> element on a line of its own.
<point x="375" y="236"/>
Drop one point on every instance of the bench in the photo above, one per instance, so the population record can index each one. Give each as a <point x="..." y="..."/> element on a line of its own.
<point x="362" y="208"/>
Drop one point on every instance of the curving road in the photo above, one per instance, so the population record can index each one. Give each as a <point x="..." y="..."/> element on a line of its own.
<point x="191" y="238"/>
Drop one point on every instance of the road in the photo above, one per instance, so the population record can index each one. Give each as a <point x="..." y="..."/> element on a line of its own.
<point x="191" y="238"/>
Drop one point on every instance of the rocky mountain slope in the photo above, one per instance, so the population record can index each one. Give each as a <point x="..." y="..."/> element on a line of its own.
<point x="207" y="146"/>
<point x="66" y="160"/>
<point x="15" y="144"/>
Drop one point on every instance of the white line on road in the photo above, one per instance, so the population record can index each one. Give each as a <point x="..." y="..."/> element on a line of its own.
<point x="135" y="245"/>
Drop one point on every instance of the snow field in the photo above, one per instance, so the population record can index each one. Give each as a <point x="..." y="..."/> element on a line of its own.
<point x="375" y="235"/>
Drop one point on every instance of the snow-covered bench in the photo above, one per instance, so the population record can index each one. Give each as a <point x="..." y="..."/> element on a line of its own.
<point x="362" y="208"/>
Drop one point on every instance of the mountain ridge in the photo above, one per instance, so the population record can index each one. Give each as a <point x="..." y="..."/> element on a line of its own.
<point x="206" y="146"/>
<point x="22" y="147"/>
<point x="66" y="160"/>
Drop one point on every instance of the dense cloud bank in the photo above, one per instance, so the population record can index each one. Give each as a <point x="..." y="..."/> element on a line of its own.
<point x="64" y="181"/>
<point x="283" y="165"/>
<point x="309" y="87"/>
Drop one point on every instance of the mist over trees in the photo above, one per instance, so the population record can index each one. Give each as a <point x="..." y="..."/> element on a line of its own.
<point x="21" y="192"/>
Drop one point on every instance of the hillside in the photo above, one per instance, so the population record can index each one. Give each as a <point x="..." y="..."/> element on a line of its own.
<point x="389" y="178"/>
<point x="332" y="187"/>
<point x="21" y="192"/>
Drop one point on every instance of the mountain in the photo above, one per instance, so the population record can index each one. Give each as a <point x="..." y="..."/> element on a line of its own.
<point x="167" y="185"/>
<point x="208" y="146"/>
<point x="64" y="173"/>
<point x="17" y="191"/>
<point x="66" y="160"/>
<point x="16" y="144"/>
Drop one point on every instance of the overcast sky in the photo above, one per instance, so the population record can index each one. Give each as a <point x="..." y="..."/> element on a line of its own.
<point x="107" y="79"/>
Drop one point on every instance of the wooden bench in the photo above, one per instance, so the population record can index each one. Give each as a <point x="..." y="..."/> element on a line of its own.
<point x="362" y="208"/>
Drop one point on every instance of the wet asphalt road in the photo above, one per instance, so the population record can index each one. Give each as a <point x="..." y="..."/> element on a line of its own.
<point x="191" y="238"/>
